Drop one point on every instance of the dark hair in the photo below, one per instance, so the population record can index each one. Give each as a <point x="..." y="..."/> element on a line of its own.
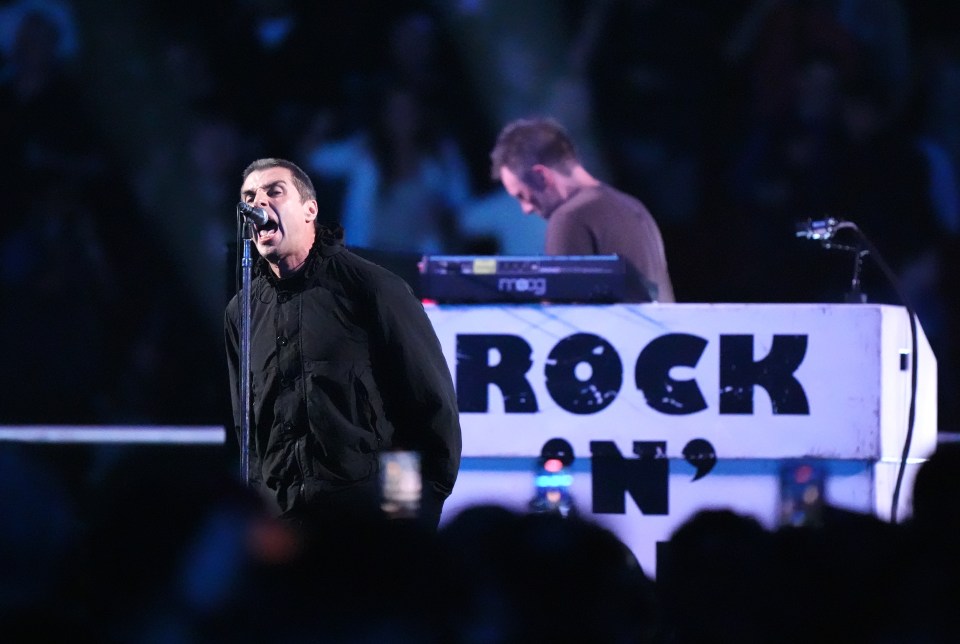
<point x="300" y="178"/>
<point x="524" y="143"/>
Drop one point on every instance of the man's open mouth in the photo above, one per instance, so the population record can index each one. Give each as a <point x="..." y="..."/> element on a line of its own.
<point x="268" y="229"/>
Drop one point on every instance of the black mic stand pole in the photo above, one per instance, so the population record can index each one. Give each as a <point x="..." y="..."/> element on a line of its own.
<point x="246" y="263"/>
<point x="856" y="295"/>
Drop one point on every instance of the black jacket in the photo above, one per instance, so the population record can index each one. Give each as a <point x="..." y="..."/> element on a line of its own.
<point x="344" y="364"/>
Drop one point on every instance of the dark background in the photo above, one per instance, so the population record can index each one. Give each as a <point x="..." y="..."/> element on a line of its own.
<point x="126" y="127"/>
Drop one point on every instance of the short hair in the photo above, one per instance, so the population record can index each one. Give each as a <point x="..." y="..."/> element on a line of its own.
<point x="524" y="143"/>
<point x="300" y="178"/>
<point x="304" y="185"/>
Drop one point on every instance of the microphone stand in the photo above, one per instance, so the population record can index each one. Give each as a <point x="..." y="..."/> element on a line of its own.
<point x="855" y="295"/>
<point x="824" y="230"/>
<point x="246" y="263"/>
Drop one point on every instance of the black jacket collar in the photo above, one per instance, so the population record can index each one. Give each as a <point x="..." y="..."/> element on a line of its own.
<point x="329" y="242"/>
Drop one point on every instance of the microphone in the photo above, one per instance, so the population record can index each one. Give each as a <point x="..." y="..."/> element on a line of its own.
<point x="257" y="216"/>
<point x="818" y="228"/>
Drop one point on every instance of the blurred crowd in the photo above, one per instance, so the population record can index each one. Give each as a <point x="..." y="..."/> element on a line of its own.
<point x="117" y="557"/>
<point x="126" y="127"/>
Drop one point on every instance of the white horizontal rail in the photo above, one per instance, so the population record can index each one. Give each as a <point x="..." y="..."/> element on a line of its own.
<point x="172" y="434"/>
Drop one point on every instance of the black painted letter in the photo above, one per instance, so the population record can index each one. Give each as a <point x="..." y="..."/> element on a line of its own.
<point x="739" y="374"/>
<point x="652" y="373"/>
<point x="644" y="478"/>
<point x="475" y="373"/>
<point x="606" y="373"/>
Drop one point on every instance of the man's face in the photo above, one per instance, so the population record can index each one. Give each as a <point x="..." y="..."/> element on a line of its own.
<point x="289" y="232"/>
<point x="541" y="201"/>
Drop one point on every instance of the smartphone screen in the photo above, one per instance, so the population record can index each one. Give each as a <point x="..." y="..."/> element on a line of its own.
<point x="400" y="484"/>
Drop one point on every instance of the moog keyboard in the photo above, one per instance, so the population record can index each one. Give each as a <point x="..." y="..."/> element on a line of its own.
<point x="523" y="278"/>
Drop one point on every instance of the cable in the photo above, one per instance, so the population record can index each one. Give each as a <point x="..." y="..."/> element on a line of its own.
<point x="911" y="414"/>
<point x="824" y="230"/>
